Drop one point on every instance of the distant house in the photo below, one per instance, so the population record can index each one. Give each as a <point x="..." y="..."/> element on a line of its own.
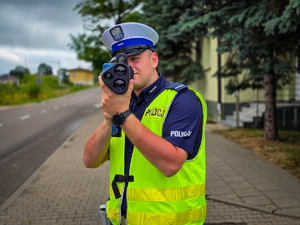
<point x="80" y="76"/>
<point x="8" y="79"/>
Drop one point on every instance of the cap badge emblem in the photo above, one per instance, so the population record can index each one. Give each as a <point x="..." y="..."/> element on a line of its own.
<point x="117" y="33"/>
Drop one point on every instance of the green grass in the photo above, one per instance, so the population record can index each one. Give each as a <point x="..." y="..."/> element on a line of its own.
<point x="19" y="95"/>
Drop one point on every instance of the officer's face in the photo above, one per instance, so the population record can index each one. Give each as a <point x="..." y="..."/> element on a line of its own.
<point x="144" y="67"/>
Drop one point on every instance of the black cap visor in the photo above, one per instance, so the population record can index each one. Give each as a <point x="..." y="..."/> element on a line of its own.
<point x="132" y="50"/>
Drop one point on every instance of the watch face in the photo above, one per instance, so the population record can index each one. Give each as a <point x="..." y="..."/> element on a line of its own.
<point x="117" y="119"/>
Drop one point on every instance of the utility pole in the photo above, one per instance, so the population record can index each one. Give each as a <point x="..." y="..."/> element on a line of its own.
<point x="219" y="106"/>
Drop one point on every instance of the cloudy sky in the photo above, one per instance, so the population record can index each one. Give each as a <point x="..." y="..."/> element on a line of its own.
<point x="36" y="31"/>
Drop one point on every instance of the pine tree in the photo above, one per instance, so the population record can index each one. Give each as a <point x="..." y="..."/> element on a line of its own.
<point x="264" y="34"/>
<point x="174" y="48"/>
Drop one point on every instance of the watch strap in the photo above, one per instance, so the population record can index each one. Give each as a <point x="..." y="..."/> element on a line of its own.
<point x="126" y="113"/>
<point x="119" y="118"/>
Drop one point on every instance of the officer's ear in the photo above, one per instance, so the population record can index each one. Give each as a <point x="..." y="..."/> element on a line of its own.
<point x="154" y="59"/>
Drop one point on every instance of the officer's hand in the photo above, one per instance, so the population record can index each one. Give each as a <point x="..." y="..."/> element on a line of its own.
<point x="113" y="103"/>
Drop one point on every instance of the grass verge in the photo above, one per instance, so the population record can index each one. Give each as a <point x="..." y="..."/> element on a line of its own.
<point x="285" y="153"/>
<point x="19" y="98"/>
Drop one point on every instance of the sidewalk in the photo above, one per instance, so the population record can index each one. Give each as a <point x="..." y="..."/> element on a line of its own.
<point x="258" y="191"/>
<point x="241" y="187"/>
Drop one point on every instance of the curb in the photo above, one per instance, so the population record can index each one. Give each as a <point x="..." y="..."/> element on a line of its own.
<point x="23" y="187"/>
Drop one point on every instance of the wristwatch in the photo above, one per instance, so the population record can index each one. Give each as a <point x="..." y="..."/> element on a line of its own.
<point x="119" y="118"/>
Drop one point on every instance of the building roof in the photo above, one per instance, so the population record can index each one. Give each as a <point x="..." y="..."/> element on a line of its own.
<point x="8" y="77"/>
<point x="80" y="69"/>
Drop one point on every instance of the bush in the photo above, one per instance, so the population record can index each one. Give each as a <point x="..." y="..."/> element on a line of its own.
<point x="48" y="81"/>
<point x="33" y="90"/>
<point x="7" y="90"/>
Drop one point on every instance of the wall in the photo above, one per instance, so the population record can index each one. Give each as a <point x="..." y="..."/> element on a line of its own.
<point x="208" y="86"/>
<point x="84" y="77"/>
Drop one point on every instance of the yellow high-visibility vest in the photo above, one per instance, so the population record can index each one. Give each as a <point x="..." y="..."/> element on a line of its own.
<point x="153" y="198"/>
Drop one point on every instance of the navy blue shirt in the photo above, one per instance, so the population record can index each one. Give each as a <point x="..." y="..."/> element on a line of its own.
<point x="182" y="126"/>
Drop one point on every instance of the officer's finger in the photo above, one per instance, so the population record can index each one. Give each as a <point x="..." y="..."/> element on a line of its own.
<point x="100" y="81"/>
<point x="103" y="86"/>
<point x="130" y="85"/>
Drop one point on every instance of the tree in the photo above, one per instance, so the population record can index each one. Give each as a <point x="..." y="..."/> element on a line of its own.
<point x="44" y="69"/>
<point x="19" y="72"/>
<point x="265" y="34"/>
<point x="95" y="11"/>
<point x="89" y="49"/>
<point x="174" y="47"/>
<point x="238" y="80"/>
<point x="97" y="14"/>
<point x="63" y="74"/>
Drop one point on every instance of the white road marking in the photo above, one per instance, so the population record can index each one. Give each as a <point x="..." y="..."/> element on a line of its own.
<point x="24" y="117"/>
<point x="44" y="111"/>
<point x="97" y="106"/>
<point x="0" y="124"/>
<point x="55" y="107"/>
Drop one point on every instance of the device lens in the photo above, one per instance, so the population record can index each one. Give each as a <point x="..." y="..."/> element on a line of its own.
<point x="119" y="85"/>
<point x="122" y="59"/>
<point x="108" y="76"/>
<point x="120" y="71"/>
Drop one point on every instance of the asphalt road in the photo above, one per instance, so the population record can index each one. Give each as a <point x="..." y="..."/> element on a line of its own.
<point x="30" y="133"/>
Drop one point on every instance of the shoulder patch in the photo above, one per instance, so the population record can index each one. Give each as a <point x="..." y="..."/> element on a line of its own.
<point x="177" y="87"/>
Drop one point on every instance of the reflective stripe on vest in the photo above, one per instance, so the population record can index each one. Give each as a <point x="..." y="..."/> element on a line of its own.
<point x="144" y="218"/>
<point x="154" y="198"/>
<point x="163" y="195"/>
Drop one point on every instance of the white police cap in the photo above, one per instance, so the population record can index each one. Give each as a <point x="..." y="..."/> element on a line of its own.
<point x="130" y="38"/>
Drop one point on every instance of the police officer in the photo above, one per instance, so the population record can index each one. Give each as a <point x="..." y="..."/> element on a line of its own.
<point x="157" y="166"/>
